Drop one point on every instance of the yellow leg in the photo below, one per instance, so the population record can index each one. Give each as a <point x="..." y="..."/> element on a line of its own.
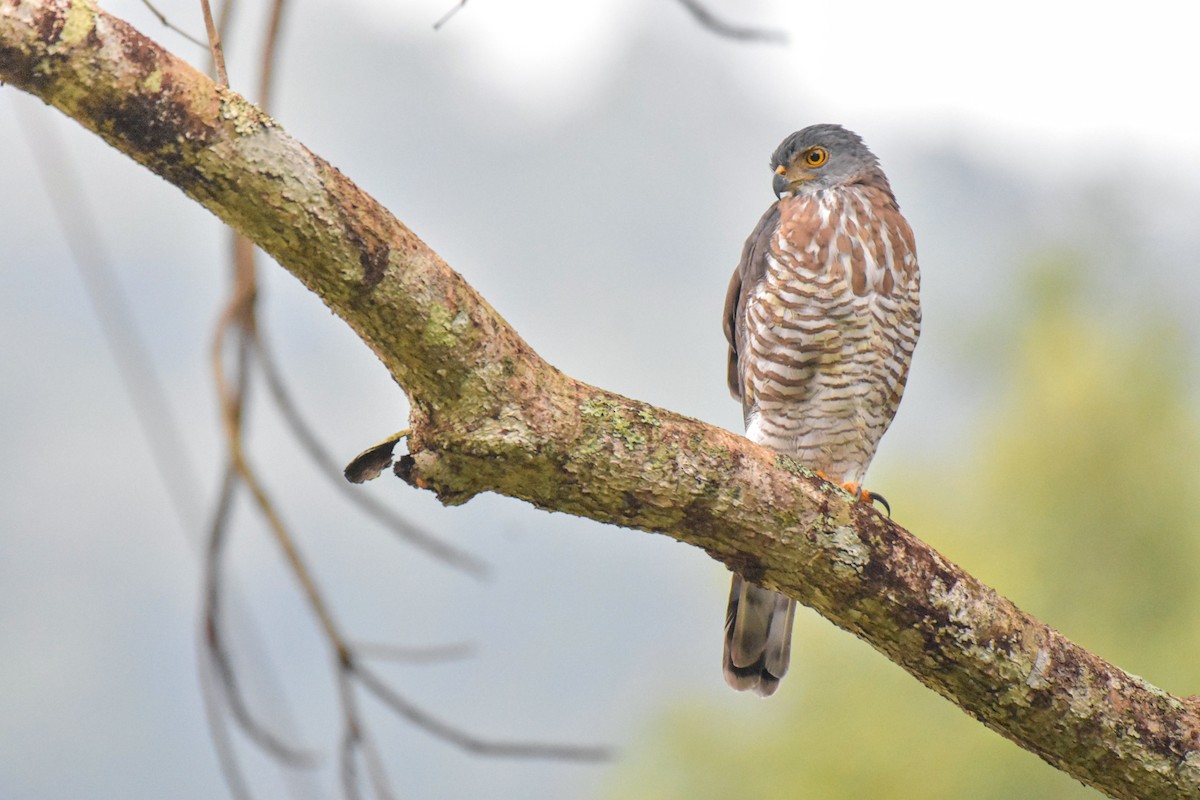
<point x="861" y="494"/>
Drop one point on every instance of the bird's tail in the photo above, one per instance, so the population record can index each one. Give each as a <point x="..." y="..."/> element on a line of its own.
<point x="758" y="637"/>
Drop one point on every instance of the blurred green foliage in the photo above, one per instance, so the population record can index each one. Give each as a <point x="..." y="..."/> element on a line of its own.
<point x="1079" y="502"/>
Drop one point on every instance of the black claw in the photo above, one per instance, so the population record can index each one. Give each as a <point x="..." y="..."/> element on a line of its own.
<point x="878" y="498"/>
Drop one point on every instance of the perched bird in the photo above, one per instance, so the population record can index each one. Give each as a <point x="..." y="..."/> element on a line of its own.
<point x="822" y="317"/>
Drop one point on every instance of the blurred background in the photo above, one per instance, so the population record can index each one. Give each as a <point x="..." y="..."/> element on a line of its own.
<point x="593" y="168"/>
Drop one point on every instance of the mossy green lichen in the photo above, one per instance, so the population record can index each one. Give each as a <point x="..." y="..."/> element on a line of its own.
<point x="792" y="466"/>
<point x="701" y="445"/>
<point x="615" y="419"/>
<point x="246" y="118"/>
<point x="786" y="520"/>
<point x="647" y="416"/>
<point x="152" y="83"/>
<point x="443" y="327"/>
<point x="81" y="18"/>
<point x="598" y="407"/>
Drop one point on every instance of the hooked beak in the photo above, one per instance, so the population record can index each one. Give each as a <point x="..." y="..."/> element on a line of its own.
<point x="785" y="185"/>
<point x="780" y="183"/>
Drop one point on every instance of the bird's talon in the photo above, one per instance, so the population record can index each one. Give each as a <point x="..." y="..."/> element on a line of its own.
<point x="878" y="498"/>
<point x="864" y="496"/>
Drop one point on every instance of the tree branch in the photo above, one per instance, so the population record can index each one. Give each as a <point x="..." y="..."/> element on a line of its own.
<point x="720" y="27"/>
<point x="489" y="415"/>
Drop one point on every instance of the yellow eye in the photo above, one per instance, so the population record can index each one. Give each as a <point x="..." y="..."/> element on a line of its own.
<point x="816" y="157"/>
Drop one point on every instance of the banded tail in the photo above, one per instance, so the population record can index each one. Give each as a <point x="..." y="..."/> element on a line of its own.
<point x="758" y="637"/>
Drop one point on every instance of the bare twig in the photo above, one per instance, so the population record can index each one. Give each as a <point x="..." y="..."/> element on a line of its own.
<point x="355" y="740"/>
<point x="351" y="735"/>
<point x="348" y="765"/>
<point x="720" y="27"/>
<point x="446" y="17"/>
<point x="698" y="11"/>
<point x="218" y="729"/>
<point x="220" y="663"/>
<point x="239" y="312"/>
<point x="238" y="316"/>
<point x="472" y="744"/>
<point x="376" y="769"/>
<point x="224" y="16"/>
<point x="170" y="26"/>
<point x="266" y="73"/>
<point x="415" y="655"/>
<point x="214" y="44"/>
<point x="283" y="538"/>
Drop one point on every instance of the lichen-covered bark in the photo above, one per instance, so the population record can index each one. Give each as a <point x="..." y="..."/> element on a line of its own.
<point x="490" y="415"/>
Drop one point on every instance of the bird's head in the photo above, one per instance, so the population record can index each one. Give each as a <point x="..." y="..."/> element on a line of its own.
<point x="823" y="157"/>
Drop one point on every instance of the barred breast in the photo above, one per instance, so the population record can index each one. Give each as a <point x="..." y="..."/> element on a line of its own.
<point x="827" y="327"/>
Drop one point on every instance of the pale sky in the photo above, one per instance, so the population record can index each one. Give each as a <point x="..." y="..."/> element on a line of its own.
<point x="1077" y="78"/>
